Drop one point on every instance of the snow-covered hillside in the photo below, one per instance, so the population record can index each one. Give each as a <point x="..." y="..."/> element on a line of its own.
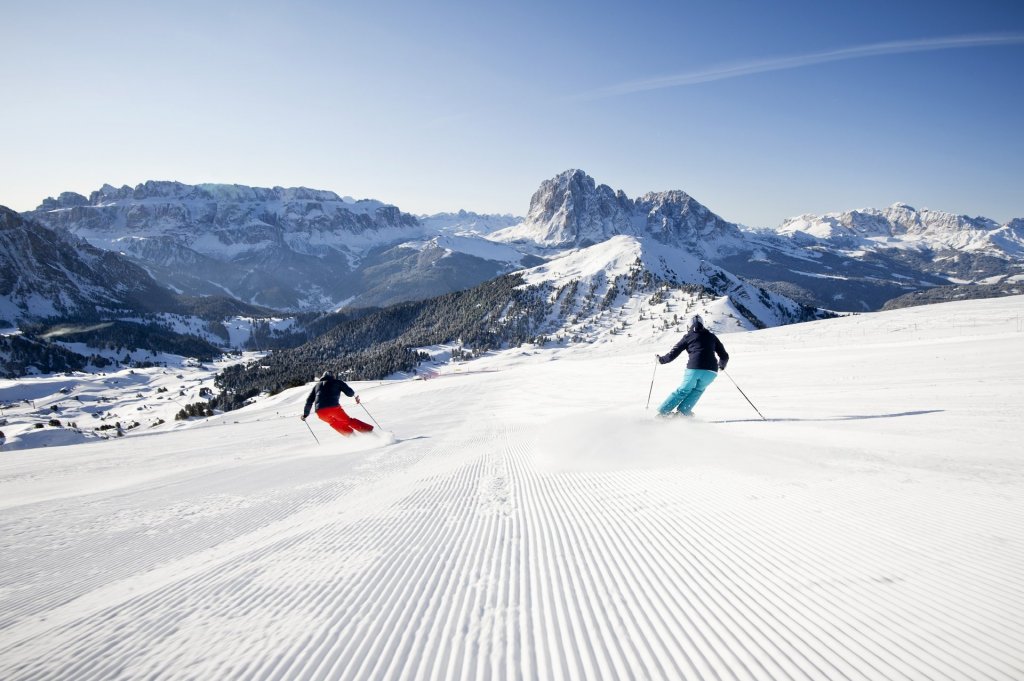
<point x="529" y="519"/>
<point x="286" y="248"/>
<point x="78" y="407"/>
<point x="902" y="226"/>
<point x="599" y="291"/>
<point x="48" y="273"/>
<point x="465" y="221"/>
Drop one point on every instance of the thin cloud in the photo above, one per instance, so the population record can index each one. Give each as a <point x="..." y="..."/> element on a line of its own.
<point x="727" y="71"/>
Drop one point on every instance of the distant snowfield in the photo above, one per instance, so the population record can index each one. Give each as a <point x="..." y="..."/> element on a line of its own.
<point x="532" y="520"/>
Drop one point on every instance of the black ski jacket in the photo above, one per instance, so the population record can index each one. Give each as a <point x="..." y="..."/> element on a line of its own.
<point x="326" y="393"/>
<point x="702" y="346"/>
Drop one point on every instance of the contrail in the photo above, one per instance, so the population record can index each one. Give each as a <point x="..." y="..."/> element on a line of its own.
<point x="59" y="331"/>
<point x="746" y="68"/>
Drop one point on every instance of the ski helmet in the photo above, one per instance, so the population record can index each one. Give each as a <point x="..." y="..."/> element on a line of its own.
<point x="696" y="322"/>
<point x="326" y="375"/>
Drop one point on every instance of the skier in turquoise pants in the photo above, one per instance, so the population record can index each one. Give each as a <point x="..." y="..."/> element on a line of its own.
<point x="706" y="355"/>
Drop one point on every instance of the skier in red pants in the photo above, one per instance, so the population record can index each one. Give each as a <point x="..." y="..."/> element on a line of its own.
<point x="325" y="397"/>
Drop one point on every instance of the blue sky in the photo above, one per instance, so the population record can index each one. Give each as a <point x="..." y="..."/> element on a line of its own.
<point x="760" y="110"/>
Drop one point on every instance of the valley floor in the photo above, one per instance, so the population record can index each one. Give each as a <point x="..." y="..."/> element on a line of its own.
<point x="529" y="519"/>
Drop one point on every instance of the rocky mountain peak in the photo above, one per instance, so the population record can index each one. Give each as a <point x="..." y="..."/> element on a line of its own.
<point x="573" y="210"/>
<point x="65" y="200"/>
<point x="908" y="219"/>
<point x="898" y="220"/>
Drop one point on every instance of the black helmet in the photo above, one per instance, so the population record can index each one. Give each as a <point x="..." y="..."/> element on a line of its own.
<point x="696" y="322"/>
<point x="326" y="375"/>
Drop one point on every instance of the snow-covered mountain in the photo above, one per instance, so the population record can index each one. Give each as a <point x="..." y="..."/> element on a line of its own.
<point x="902" y="226"/>
<point x="50" y="273"/>
<point x="285" y="248"/>
<point x="623" y="290"/>
<point x="629" y="275"/>
<point x="313" y="250"/>
<point x="849" y="261"/>
<point x="467" y="222"/>
<point x="920" y="248"/>
<point x="67" y="305"/>
<point x="572" y="210"/>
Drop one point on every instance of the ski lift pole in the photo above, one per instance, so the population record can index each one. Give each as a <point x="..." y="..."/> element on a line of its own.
<point x="744" y="395"/>
<point x="311" y="431"/>
<point x="651" y="390"/>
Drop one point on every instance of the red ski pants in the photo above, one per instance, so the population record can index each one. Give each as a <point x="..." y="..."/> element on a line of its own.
<point x="336" y="418"/>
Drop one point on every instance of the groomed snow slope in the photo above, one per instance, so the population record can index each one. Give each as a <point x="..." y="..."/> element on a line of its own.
<point x="533" y="521"/>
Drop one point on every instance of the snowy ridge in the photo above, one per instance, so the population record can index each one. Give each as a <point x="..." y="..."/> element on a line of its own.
<point x="282" y="248"/>
<point x="306" y="249"/>
<point x="871" y="530"/>
<point x="630" y="288"/>
<point x="48" y="272"/>
<point x="470" y="244"/>
<point x="572" y="210"/>
<point x="225" y="221"/>
<point x="467" y="222"/>
<point x="850" y="261"/>
<point x="902" y="226"/>
<point x="285" y="248"/>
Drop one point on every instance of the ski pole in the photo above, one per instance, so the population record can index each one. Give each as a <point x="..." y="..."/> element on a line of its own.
<point x="370" y="415"/>
<point x="311" y="431"/>
<point x="744" y="395"/>
<point x="651" y="390"/>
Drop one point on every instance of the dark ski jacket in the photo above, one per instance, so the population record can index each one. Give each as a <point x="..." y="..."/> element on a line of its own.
<point x="326" y="393"/>
<point x="702" y="346"/>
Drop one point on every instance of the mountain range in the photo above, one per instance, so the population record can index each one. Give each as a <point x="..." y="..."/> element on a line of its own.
<point x="303" y="249"/>
<point x="854" y="261"/>
<point x="290" y="249"/>
<point x="589" y="261"/>
<point x="47" y="273"/>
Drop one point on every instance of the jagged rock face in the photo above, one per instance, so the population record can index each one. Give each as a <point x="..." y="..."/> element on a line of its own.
<point x="286" y="248"/>
<point x="217" y="220"/>
<point x="861" y="259"/>
<point x="289" y="249"/>
<point x="572" y="210"/>
<point x="676" y="217"/>
<point x="45" y="274"/>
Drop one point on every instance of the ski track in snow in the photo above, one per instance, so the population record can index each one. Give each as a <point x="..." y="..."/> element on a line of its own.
<point x="540" y="529"/>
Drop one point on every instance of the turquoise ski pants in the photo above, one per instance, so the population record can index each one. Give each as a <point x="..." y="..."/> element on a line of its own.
<point x="683" y="398"/>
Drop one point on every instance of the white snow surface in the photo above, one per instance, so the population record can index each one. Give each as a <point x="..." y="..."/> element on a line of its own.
<point x="609" y="258"/>
<point x="467" y="222"/>
<point x="470" y="244"/>
<point x="902" y="226"/>
<point x="525" y="517"/>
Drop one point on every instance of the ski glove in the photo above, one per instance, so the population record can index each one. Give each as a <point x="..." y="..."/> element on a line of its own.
<point x="721" y="365"/>
<point x="303" y="417"/>
<point x="661" y="360"/>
